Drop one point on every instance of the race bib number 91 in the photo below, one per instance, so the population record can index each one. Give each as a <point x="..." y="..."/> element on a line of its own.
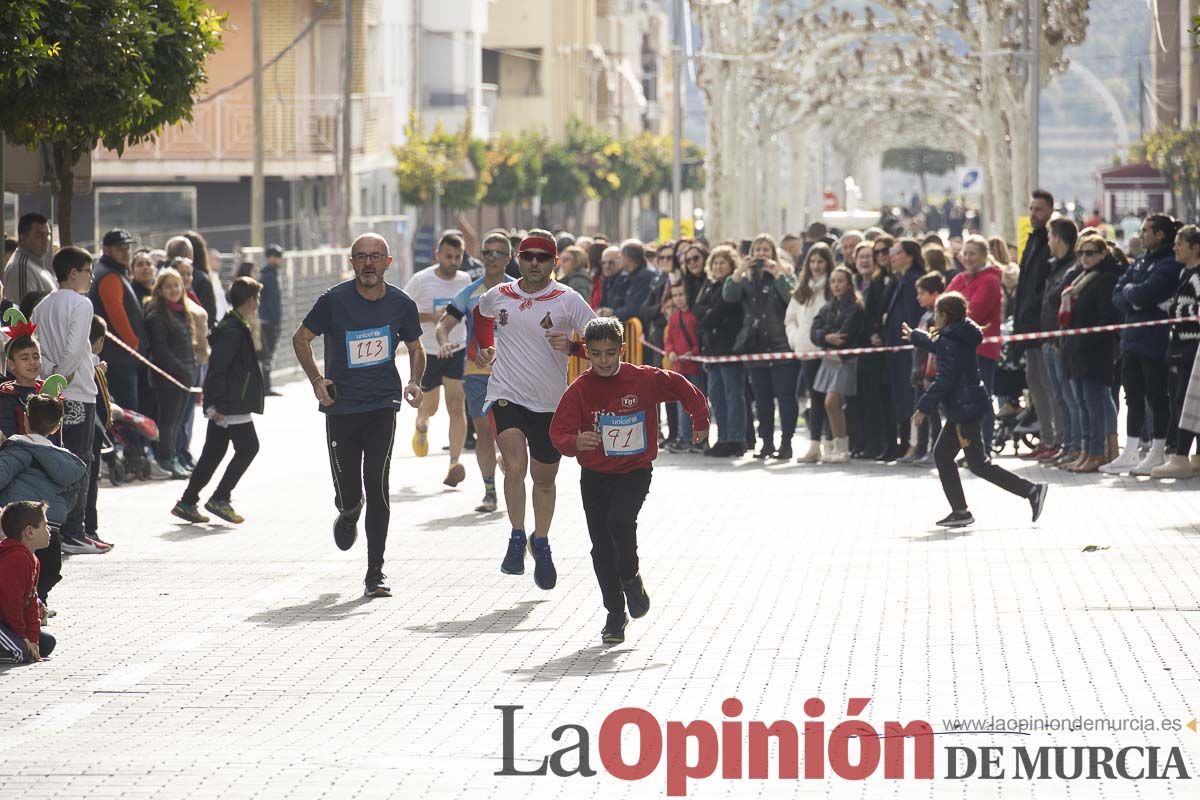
<point x="624" y="435"/>
<point x="368" y="348"/>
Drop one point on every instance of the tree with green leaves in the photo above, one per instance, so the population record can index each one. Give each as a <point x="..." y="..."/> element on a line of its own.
<point x="1176" y="154"/>
<point x="441" y="161"/>
<point x="113" y="73"/>
<point x="514" y="164"/>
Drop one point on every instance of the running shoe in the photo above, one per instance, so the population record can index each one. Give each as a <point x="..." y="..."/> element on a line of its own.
<point x="345" y="527"/>
<point x="1037" y="499"/>
<point x="544" y="573"/>
<point x="456" y="475"/>
<point x="95" y="538"/>
<point x="420" y="442"/>
<point x="374" y="586"/>
<point x="614" y="629"/>
<point x="80" y="545"/>
<point x="514" y="559"/>
<point x="489" y="503"/>
<point x="186" y="511"/>
<point x="155" y="471"/>
<point x="635" y="597"/>
<point x="957" y="519"/>
<point x="224" y="510"/>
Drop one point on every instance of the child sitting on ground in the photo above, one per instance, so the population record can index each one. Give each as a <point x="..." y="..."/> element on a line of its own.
<point x="25" y="532"/>
<point x="33" y="468"/>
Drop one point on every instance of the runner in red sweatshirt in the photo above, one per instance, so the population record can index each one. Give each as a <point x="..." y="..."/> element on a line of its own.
<point x="602" y="421"/>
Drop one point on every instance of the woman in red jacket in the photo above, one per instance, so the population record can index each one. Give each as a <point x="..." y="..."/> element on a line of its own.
<point x="602" y="420"/>
<point x="979" y="282"/>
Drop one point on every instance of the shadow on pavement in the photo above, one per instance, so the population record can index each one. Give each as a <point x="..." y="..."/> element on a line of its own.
<point x="409" y="494"/>
<point x="189" y="532"/>
<point x="596" y="660"/>
<point x="324" y="609"/>
<point x="506" y="620"/>
<point x="942" y="535"/>
<point x="441" y="523"/>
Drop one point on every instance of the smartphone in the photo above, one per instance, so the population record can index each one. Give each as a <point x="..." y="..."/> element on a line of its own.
<point x="744" y="247"/>
<point x="758" y="263"/>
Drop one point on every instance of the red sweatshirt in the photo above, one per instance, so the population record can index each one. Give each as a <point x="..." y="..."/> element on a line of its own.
<point x="621" y="409"/>
<point x="18" y="590"/>
<point x="681" y="339"/>
<point x="984" y="300"/>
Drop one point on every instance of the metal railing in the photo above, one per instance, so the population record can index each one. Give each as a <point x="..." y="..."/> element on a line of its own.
<point x="294" y="126"/>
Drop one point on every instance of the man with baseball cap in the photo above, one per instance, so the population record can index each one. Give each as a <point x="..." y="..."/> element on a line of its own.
<point x="525" y="326"/>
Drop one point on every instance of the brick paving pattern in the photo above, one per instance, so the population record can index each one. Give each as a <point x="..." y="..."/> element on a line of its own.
<point x="222" y="661"/>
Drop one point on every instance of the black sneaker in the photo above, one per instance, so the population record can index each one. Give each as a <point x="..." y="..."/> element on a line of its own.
<point x="514" y="559"/>
<point x="614" y="629"/>
<point x="373" y="584"/>
<point x="1037" y="499"/>
<point x="767" y="451"/>
<point x="957" y="519"/>
<point x="635" y="597"/>
<point x="544" y="573"/>
<point x="345" y="527"/>
<point x="783" y="454"/>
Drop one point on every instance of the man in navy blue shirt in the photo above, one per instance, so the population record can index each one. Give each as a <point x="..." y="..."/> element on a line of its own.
<point x="270" y="312"/>
<point x="360" y="391"/>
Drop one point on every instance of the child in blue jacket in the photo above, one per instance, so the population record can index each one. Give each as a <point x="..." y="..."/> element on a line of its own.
<point x="959" y="390"/>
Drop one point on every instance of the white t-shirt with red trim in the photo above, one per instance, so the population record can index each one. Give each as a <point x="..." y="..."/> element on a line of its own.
<point x="528" y="371"/>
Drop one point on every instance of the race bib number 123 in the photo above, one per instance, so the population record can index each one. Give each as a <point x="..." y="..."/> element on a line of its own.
<point x="368" y="348"/>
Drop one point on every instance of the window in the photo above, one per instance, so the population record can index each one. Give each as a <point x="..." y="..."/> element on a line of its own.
<point x="150" y="213"/>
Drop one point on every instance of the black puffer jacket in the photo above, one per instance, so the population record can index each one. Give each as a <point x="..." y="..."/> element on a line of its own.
<point x="170" y="347"/>
<point x="717" y="321"/>
<point x="957" y="387"/>
<point x="234" y="384"/>
<point x="844" y="316"/>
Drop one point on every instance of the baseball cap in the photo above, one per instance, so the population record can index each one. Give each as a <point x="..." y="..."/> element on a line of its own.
<point x="118" y="236"/>
<point x="274" y="250"/>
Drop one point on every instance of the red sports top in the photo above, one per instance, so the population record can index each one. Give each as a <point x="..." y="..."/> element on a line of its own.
<point x="621" y="409"/>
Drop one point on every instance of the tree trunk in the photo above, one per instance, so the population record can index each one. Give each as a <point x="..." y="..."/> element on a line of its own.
<point x="63" y="185"/>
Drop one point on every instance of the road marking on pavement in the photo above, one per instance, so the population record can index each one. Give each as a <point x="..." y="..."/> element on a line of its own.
<point x="127" y="676"/>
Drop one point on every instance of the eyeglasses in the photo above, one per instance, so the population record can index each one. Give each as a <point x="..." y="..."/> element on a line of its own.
<point x="541" y="258"/>
<point x="363" y="258"/>
<point x="495" y="254"/>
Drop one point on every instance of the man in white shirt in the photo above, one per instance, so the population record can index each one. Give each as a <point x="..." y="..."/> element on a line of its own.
<point x="532" y="321"/>
<point x="24" y="273"/>
<point x="64" y="322"/>
<point x="432" y="289"/>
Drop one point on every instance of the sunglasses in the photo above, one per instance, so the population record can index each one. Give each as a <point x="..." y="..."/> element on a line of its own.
<point x="495" y="254"/>
<point x="694" y="259"/>
<point x="541" y="258"/>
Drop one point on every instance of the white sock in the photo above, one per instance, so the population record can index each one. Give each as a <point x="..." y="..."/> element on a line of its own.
<point x="1132" y="443"/>
<point x="1158" y="446"/>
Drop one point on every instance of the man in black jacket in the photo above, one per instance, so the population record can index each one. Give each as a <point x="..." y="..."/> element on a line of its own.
<point x="270" y="312"/>
<point x="641" y="277"/>
<point x="1035" y="266"/>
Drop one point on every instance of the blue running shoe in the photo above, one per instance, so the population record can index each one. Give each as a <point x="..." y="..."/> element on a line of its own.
<point x="544" y="573"/>
<point x="514" y="559"/>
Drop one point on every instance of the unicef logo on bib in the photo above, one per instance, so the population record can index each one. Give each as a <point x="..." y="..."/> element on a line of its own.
<point x="368" y="348"/>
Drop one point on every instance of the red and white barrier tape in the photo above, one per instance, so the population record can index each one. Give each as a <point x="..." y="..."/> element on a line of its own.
<point x="858" y="351"/>
<point x="192" y="389"/>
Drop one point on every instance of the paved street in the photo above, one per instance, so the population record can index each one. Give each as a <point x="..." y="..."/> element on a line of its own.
<point x="216" y="661"/>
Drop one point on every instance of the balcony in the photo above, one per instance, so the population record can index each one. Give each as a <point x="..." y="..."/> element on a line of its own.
<point x="300" y="137"/>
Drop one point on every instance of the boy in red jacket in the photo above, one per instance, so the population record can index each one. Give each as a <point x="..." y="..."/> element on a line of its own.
<point x="25" y="531"/>
<point x="681" y="339"/>
<point x="602" y="421"/>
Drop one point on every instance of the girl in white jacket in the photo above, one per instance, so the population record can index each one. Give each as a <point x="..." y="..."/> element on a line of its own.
<point x="812" y="292"/>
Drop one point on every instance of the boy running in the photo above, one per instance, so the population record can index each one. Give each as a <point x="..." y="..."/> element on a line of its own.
<point x="601" y="420"/>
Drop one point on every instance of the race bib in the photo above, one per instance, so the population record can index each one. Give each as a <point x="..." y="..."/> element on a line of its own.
<point x="624" y="435"/>
<point x="368" y="348"/>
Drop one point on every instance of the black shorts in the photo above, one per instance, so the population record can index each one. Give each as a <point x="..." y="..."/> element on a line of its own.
<point x="534" y="424"/>
<point x="438" y="369"/>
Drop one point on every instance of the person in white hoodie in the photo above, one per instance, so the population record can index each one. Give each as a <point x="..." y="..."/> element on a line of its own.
<point x="812" y="292"/>
<point x="64" y="322"/>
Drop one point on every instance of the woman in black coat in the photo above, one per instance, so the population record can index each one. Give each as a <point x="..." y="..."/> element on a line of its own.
<point x="233" y="390"/>
<point x="840" y="324"/>
<point x="958" y="388"/>
<point x="1091" y="358"/>
<point x="717" y="324"/>
<point x="874" y="397"/>
<point x="169" y="329"/>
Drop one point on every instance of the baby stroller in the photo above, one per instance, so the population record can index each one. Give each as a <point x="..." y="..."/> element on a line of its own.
<point x="1010" y="388"/>
<point x="125" y="460"/>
